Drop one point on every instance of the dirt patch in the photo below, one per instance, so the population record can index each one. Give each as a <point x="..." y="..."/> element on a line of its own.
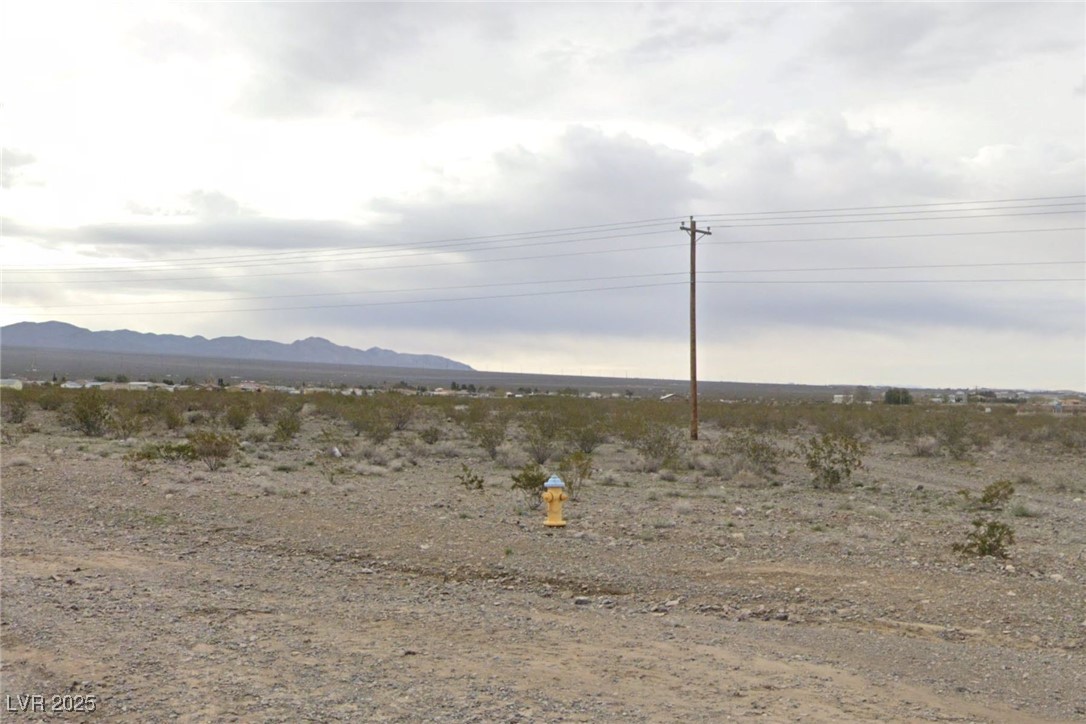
<point x="276" y="589"/>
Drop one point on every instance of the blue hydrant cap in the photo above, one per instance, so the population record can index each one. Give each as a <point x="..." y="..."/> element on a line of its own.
<point x="554" y="482"/>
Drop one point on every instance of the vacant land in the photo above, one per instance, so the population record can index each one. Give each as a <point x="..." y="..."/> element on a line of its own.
<point x="337" y="562"/>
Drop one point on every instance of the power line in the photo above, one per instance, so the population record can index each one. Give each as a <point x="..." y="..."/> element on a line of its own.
<point x="880" y="237"/>
<point x="538" y="257"/>
<point x="449" y="245"/>
<point x="899" y="206"/>
<point x="579" y="291"/>
<point x="518" y="283"/>
<point x="316" y="256"/>
<point x="882" y="221"/>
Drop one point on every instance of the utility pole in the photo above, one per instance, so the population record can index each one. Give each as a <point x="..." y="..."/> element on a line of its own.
<point x="694" y="236"/>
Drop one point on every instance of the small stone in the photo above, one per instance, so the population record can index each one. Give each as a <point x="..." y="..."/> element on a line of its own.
<point x="739" y="510"/>
<point x="582" y="601"/>
<point x="1056" y="577"/>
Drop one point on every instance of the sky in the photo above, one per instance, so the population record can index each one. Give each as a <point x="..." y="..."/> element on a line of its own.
<point x="895" y="191"/>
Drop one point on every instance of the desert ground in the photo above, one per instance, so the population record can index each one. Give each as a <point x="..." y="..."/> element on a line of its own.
<point x="325" y="576"/>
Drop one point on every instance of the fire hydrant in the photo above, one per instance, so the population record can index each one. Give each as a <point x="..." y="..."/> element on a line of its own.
<point x="554" y="495"/>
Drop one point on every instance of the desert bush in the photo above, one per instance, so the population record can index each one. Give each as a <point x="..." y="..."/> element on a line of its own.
<point x="51" y="398"/>
<point x="988" y="538"/>
<point x="372" y="421"/>
<point x="758" y="451"/>
<point x="469" y="478"/>
<point x="586" y="435"/>
<point x="489" y="433"/>
<point x="995" y="495"/>
<point x="15" y="411"/>
<point x="398" y="409"/>
<point x="430" y="434"/>
<point x="832" y="458"/>
<point x="89" y="413"/>
<point x="213" y="448"/>
<point x="542" y="431"/>
<point x="575" y="469"/>
<point x="659" y="445"/>
<point x="529" y="482"/>
<point x="264" y="407"/>
<point x="149" y="403"/>
<point x="1021" y="510"/>
<point x="172" y="418"/>
<point x="952" y="432"/>
<point x="287" y="425"/>
<point x="925" y="446"/>
<point x="237" y="415"/>
<point x="126" y="421"/>
<point x="163" y="451"/>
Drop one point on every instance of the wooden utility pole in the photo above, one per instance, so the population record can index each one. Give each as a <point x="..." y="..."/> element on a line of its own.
<point x="693" y="229"/>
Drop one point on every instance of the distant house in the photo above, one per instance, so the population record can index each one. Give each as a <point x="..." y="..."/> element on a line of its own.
<point x="842" y="399"/>
<point x="12" y="384"/>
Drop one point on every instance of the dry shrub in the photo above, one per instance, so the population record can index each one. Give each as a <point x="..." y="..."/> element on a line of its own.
<point x="925" y="446"/>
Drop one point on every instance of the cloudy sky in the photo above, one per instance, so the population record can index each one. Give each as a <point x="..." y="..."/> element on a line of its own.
<point x="895" y="191"/>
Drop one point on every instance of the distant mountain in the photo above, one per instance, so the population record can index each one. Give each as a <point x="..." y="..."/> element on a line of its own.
<point x="59" y="335"/>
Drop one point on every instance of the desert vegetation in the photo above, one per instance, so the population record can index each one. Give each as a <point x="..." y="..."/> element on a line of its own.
<point x="826" y="518"/>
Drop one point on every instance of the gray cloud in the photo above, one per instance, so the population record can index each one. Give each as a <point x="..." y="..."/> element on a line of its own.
<point x="587" y="178"/>
<point x="894" y="41"/>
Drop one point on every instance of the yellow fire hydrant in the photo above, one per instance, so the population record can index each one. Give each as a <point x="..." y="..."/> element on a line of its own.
<point x="554" y="495"/>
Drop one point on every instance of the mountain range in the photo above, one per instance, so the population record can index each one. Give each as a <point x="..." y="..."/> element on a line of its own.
<point x="60" y="335"/>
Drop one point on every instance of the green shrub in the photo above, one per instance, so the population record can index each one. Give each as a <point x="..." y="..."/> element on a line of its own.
<point x="832" y="458"/>
<point x="988" y="538"/>
<point x="213" y="448"/>
<point x="469" y="478"/>
<point x="15" y="411"/>
<point x="264" y="407"/>
<point x="163" y="451"/>
<point x="953" y="434"/>
<point x="287" y="425"/>
<point x="996" y="495"/>
<point x="430" y="434"/>
<point x="237" y="415"/>
<point x="541" y="433"/>
<point x="51" y="398"/>
<point x="659" y="445"/>
<point x="489" y="433"/>
<point x="126" y="421"/>
<point x="398" y="409"/>
<point x="529" y="482"/>
<point x="89" y="413"/>
<point x="172" y="417"/>
<point x="575" y="469"/>
<point x="757" y="450"/>
<point x="371" y="420"/>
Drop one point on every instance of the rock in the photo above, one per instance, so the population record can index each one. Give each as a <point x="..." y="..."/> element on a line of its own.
<point x="582" y="601"/>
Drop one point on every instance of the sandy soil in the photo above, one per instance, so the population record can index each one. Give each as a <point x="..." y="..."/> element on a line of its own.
<point x="266" y="591"/>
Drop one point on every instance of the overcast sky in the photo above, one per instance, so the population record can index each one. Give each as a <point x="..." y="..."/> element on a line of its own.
<point x="895" y="191"/>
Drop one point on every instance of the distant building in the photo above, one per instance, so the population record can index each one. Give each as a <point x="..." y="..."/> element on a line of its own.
<point x="12" y="384"/>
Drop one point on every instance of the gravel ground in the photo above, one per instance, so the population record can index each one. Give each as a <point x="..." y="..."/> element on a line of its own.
<point x="271" y="591"/>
